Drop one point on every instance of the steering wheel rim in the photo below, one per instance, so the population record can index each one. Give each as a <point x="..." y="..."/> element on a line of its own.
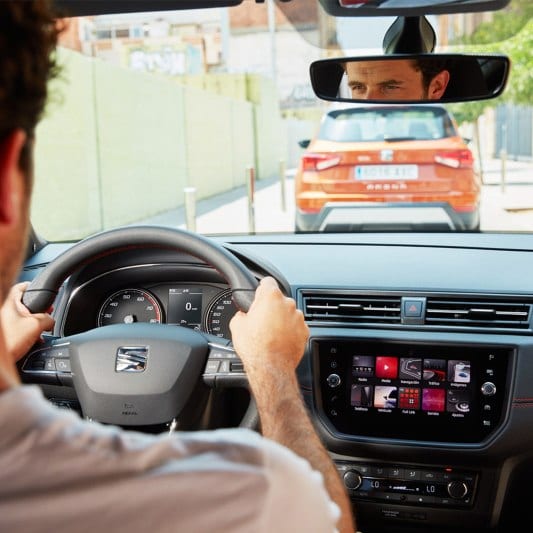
<point x="43" y="290"/>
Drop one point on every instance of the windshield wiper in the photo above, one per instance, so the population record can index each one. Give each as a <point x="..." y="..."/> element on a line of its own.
<point x="396" y="139"/>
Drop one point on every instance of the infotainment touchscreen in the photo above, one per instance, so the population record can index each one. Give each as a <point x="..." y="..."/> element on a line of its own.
<point x="423" y="392"/>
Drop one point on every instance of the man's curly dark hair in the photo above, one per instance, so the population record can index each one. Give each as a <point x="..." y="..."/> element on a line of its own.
<point x="28" y="38"/>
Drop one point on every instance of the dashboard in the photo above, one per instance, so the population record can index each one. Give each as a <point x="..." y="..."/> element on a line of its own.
<point x="419" y="367"/>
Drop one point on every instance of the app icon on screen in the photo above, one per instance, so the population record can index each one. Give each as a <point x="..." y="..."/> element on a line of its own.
<point x="409" y="398"/>
<point x="385" y="397"/>
<point x="458" y="401"/>
<point x="363" y="366"/>
<point x="434" y="370"/>
<point x="386" y="367"/>
<point x="459" y="371"/>
<point x="410" y="368"/>
<point x="361" y="396"/>
<point x="433" y="399"/>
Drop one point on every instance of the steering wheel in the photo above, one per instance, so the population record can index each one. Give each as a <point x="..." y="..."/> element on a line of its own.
<point x="138" y="374"/>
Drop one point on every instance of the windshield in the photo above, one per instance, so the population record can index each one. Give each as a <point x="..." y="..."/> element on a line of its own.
<point x="205" y="119"/>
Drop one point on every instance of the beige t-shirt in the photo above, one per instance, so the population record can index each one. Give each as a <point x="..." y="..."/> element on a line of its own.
<point x="59" y="473"/>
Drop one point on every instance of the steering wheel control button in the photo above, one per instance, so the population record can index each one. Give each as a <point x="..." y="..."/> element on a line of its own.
<point x="212" y="367"/>
<point x="333" y="380"/>
<point x="36" y="364"/>
<point x="237" y="367"/>
<point x="488" y="389"/>
<point x="63" y="365"/>
<point x="223" y="367"/>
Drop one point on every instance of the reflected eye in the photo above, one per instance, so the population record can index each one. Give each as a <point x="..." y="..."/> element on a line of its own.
<point x="357" y="88"/>
<point x="391" y="87"/>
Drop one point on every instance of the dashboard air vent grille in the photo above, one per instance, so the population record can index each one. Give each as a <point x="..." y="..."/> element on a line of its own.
<point x="477" y="313"/>
<point x="353" y="309"/>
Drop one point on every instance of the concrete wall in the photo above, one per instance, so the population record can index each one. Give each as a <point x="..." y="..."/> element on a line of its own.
<point x="113" y="139"/>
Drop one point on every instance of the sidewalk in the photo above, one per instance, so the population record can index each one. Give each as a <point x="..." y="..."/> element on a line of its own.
<point x="230" y="212"/>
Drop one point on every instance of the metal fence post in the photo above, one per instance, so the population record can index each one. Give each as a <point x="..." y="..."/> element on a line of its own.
<point x="250" y="185"/>
<point x="190" y="208"/>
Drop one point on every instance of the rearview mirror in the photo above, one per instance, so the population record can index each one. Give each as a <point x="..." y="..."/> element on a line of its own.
<point x="382" y="8"/>
<point x="410" y="78"/>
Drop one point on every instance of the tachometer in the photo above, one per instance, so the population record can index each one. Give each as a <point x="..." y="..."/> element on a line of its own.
<point x="219" y="314"/>
<point x="128" y="306"/>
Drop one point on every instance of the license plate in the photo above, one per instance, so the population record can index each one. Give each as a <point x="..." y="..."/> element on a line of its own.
<point x="386" y="172"/>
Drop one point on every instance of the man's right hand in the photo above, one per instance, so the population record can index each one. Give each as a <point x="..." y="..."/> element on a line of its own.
<point x="272" y="334"/>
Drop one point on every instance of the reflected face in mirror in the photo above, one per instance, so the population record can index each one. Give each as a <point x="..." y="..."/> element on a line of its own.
<point x="405" y="79"/>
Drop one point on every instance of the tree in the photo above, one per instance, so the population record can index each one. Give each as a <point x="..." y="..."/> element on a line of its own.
<point x="510" y="32"/>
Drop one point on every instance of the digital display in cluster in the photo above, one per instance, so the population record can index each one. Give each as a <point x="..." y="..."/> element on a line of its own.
<point x="185" y="307"/>
<point x="410" y="384"/>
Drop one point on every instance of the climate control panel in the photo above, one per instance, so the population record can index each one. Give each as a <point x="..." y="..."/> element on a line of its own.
<point x="409" y="485"/>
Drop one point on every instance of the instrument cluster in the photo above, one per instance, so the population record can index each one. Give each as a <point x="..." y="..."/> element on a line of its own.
<point x="202" y="307"/>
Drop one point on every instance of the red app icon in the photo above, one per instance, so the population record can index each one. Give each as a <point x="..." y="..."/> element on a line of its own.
<point x="386" y="367"/>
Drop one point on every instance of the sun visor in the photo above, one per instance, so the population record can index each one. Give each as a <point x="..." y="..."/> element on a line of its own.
<point x="79" y="8"/>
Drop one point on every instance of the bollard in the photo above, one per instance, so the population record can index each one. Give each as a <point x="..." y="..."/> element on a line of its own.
<point x="503" y="157"/>
<point x="190" y="208"/>
<point x="250" y="185"/>
<point x="282" y="177"/>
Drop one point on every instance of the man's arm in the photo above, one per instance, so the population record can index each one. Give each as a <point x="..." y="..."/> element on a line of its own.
<point x="270" y="339"/>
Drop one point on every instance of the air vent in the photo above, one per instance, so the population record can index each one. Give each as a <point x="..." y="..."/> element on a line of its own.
<point x="477" y="313"/>
<point x="434" y="311"/>
<point x="352" y="309"/>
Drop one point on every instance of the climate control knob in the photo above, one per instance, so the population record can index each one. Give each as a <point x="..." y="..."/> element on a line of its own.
<point x="457" y="489"/>
<point x="352" y="479"/>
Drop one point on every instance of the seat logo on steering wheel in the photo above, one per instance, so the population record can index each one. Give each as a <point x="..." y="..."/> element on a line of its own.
<point x="131" y="359"/>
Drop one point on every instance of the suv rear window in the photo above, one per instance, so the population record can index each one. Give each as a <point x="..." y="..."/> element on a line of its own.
<point x="353" y="125"/>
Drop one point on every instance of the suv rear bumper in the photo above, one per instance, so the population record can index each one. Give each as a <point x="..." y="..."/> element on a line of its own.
<point x="367" y="216"/>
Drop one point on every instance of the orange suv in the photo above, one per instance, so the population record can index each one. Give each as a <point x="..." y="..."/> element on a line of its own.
<point x="387" y="168"/>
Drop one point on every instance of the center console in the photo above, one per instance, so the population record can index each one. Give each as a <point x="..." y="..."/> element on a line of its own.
<point x="444" y="395"/>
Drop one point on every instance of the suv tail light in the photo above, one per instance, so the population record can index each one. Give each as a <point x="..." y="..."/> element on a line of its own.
<point x="315" y="162"/>
<point x="455" y="158"/>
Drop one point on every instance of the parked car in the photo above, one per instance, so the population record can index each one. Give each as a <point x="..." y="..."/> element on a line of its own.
<point x="146" y="217"/>
<point x="409" y="161"/>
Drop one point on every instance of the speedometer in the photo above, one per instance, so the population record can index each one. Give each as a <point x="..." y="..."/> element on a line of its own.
<point x="128" y="306"/>
<point x="219" y="314"/>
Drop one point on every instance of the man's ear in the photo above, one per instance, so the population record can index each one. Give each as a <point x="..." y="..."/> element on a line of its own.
<point x="11" y="175"/>
<point x="438" y="85"/>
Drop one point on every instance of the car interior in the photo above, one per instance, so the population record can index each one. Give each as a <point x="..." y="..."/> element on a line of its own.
<point x="418" y="372"/>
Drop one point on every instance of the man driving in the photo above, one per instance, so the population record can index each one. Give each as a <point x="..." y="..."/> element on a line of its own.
<point x="61" y="473"/>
